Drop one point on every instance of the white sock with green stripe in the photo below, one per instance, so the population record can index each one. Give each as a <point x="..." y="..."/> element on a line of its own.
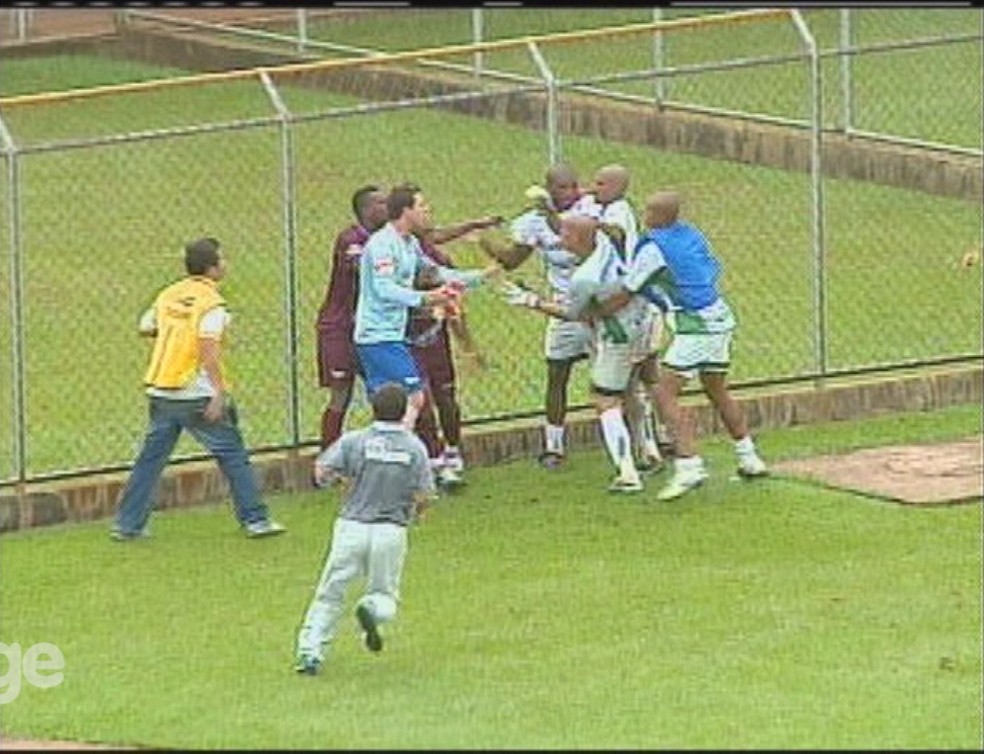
<point x="617" y="439"/>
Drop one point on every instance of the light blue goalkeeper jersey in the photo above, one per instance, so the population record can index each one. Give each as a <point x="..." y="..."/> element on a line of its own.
<point x="386" y="274"/>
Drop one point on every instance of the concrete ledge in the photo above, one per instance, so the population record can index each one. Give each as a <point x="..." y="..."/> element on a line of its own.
<point x="187" y="485"/>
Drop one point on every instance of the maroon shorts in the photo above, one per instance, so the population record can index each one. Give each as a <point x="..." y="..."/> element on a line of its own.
<point x="337" y="361"/>
<point x="435" y="362"/>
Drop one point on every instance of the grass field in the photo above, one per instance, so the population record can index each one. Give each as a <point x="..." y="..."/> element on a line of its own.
<point x="534" y="615"/>
<point x="103" y="228"/>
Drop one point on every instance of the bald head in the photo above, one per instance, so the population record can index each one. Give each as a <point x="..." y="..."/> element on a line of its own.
<point x="662" y="208"/>
<point x="611" y="183"/>
<point x="577" y="235"/>
<point x="561" y="184"/>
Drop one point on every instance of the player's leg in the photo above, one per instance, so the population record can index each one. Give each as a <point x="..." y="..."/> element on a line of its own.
<point x="610" y="372"/>
<point x="558" y="376"/>
<point x="387" y="552"/>
<point x="655" y="425"/>
<point x="444" y="381"/>
<point x="224" y="440"/>
<point x="336" y="371"/>
<point x="714" y="380"/>
<point x="136" y="499"/>
<point x="683" y="358"/>
<point x="345" y="562"/>
<point x="426" y="425"/>
<point x="564" y="344"/>
<point x="639" y="416"/>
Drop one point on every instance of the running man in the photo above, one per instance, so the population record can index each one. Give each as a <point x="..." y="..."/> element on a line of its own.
<point x="389" y="485"/>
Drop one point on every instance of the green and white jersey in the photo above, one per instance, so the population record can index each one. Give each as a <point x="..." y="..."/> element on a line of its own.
<point x="597" y="278"/>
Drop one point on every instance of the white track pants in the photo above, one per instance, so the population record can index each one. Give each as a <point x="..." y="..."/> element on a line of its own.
<point x="376" y="551"/>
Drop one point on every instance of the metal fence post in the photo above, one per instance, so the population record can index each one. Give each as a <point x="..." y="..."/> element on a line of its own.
<point x="477" y="21"/>
<point x="846" y="61"/>
<point x="816" y="176"/>
<point x="288" y="161"/>
<point x="553" y="137"/>
<point x="659" y="85"/>
<point x="302" y="36"/>
<point x="17" y="340"/>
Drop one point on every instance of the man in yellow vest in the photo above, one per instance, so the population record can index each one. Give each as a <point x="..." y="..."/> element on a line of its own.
<point x="187" y="390"/>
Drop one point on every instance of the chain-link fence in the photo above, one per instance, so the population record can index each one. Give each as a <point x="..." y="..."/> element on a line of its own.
<point x="101" y="192"/>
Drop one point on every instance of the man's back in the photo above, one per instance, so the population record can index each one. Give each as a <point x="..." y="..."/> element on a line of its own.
<point x="388" y="466"/>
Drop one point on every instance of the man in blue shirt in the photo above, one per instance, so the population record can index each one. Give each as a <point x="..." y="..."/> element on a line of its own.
<point x="391" y="262"/>
<point x="673" y="260"/>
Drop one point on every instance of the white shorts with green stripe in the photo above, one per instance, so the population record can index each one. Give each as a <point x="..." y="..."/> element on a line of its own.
<point x="692" y="353"/>
<point x="611" y="365"/>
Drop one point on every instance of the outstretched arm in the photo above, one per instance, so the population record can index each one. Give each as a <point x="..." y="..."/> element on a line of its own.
<point x="438" y="236"/>
<point x="463" y="336"/>
<point x="508" y="254"/>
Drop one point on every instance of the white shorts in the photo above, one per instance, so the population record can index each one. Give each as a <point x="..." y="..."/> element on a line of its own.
<point x="611" y="365"/>
<point x="692" y="353"/>
<point x="566" y="340"/>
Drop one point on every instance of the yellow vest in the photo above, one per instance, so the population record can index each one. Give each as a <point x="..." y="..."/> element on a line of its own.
<point x="179" y="309"/>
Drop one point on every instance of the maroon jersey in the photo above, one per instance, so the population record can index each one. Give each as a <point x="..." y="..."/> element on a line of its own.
<point x="423" y="329"/>
<point x="337" y="312"/>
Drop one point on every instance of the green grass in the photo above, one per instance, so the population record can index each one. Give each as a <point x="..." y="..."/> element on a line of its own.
<point x="535" y="614"/>
<point x="103" y="228"/>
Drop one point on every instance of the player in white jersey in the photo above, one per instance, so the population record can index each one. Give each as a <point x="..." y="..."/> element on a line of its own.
<point x="565" y="342"/>
<point x="609" y="205"/>
<point x="615" y="337"/>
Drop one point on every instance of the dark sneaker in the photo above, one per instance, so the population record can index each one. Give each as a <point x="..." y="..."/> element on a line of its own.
<point x="307" y="665"/>
<point x="374" y="642"/>
<point x="650" y="464"/>
<point x="666" y="449"/>
<point x="551" y="460"/>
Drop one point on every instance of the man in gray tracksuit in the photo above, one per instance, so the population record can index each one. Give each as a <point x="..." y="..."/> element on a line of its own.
<point x="389" y="484"/>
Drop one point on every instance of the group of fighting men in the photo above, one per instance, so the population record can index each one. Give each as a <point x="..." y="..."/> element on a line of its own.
<point x="643" y="308"/>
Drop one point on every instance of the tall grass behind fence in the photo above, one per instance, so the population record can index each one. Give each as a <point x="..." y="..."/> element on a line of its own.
<point x="112" y="187"/>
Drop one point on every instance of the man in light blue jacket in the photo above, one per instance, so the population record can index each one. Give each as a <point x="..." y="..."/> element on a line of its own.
<point x="391" y="263"/>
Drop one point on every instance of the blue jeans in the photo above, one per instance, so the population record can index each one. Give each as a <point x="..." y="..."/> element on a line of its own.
<point x="222" y="438"/>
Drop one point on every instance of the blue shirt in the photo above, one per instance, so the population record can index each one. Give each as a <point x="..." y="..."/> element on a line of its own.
<point x="677" y="259"/>
<point x="386" y="273"/>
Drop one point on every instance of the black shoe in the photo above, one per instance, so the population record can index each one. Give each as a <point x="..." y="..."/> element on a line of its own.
<point x="374" y="642"/>
<point x="551" y="460"/>
<point x="667" y="450"/>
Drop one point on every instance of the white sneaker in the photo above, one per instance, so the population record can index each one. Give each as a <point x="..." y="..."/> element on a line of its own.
<point x="625" y="484"/>
<point x="751" y="467"/>
<point x="453" y="461"/>
<point x="264" y="528"/>
<point x="447" y="478"/>
<point x="681" y="484"/>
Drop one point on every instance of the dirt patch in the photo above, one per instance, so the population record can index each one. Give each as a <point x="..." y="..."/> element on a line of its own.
<point x="915" y="474"/>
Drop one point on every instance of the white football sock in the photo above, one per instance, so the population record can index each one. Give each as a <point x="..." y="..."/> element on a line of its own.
<point x="554" y="438"/>
<point x="616" y="436"/>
